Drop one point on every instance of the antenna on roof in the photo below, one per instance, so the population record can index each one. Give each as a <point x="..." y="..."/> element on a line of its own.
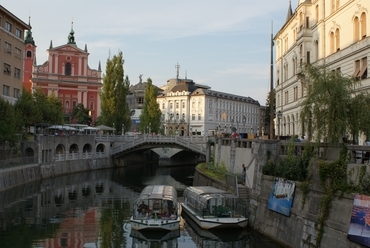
<point x="177" y="66"/>
<point x="186" y="74"/>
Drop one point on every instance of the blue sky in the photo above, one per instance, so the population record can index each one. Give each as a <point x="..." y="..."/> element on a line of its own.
<point x="219" y="43"/>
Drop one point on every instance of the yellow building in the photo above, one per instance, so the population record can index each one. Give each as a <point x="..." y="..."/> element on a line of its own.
<point x="322" y="32"/>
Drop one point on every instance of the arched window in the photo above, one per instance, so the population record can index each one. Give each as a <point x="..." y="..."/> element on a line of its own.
<point x="317" y="49"/>
<point x="68" y="69"/>
<point x="67" y="105"/>
<point x="301" y="16"/>
<point x="356" y="29"/>
<point x="332" y="42"/>
<point x="363" y="25"/>
<point x="337" y="40"/>
<point x="29" y="54"/>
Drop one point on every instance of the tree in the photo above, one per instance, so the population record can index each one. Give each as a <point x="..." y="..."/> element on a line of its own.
<point x="150" y="118"/>
<point x="25" y="108"/>
<point x="51" y="107"/>
<point x="8" y="124"/>
<point x="328" y="107"/>
<point x="114" y="108"/>
<point x="81" y="114"/>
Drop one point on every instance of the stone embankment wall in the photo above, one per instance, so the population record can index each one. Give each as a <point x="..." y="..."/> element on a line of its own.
<point x="12" y="177"/>
<point x="298" y="229"/>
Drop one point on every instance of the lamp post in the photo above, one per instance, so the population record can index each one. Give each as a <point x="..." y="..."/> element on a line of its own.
<point x="114" y="131"/>
<point x="123" y="129"/>
<point x="164" y="129"/>
<point x="150" y="127"/>
<point x="244" y="120"/>
<point x="279" y="118"/>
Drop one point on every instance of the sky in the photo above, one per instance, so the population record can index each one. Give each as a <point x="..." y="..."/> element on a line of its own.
<point x="222" y="44"/>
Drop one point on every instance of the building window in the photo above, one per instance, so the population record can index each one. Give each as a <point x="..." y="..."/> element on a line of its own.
<point x="67" y="105"/>
<point x="17" y="93"/>
<point x="8" y="47"/>
<point x="337" y="40"/>
<point x="183" y="116"/>
<point x="8" y="26"/>
<point x="363" y="72"/>
<point x="6" y="90"/>
<point x="140" y="100"/>
<point x="7" y="69"/>
<point x="295" y="93"/>
<point x="177" y="116"/>
<point x="91" y="106"/>
<point x="286" y="97"/>
<point x="302" y="89"/>
<point x="199" y="117"/>
<point x="183" y="104"/>
<point x="162" y="105"/>
<point x="356" y="29"/>
<point x="193" y="105"/>
<point x="317" y="13"/>
<point x="29" y="54"/>
<point x="74" y="103"/>
<point x="68" y="69"/>
<point x="18" y="33"/>
<point x="308" y="57"/>
<point x="363" y="25"/>
<point x="177" y="104"/>
<point x="171" y="105"/>
<point x="193" y="117"/>
<point x="17" y="72"/>
<point x="17" y="53"/>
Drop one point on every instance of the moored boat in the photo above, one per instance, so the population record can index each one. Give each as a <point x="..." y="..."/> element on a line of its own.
<point x="211" y="208"/>
<point x="156" y="208"/>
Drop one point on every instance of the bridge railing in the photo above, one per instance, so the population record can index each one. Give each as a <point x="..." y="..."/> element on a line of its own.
<point x="186" y="142"/>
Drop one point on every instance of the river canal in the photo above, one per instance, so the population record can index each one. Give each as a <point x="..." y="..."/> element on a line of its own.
<point x="92" y="209"/>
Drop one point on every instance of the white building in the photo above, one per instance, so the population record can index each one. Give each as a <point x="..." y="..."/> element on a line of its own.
<point x="322" y="32"/>
<point x="192" y="109"/>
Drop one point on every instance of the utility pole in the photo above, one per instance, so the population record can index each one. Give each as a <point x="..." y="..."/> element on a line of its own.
<point x="272" y="98"/>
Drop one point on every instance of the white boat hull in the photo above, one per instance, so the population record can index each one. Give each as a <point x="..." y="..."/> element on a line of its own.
<point x="153" y="224"/>
<point x="210" y="223"/>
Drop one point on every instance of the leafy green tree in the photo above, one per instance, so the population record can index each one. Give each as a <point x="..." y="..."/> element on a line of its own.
<point x="51" y="107"/>
<point x="8" y="124"/>
<point x="25" y="108"/>
<point x="150" y="117"/>
<point x="81" y="114"/>
<point x="268" y="111"/>
<point x="327" y="109"/>
<point x="114" y="109"/>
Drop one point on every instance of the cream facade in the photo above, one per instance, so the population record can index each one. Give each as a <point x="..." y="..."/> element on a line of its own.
<point x="334" y="33"/>
<point x="192" y="109"/>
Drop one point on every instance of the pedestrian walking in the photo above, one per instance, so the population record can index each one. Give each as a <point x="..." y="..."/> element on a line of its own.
<point x="244" y="174"/>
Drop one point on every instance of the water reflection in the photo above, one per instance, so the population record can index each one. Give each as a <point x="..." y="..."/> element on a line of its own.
<point x="90" y="210"/>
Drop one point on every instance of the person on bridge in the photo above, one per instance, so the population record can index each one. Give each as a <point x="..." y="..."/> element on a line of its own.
<point x="244" y="172"/>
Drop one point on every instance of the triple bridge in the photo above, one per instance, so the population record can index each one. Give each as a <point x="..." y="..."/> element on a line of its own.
<point x="146" y="142"/>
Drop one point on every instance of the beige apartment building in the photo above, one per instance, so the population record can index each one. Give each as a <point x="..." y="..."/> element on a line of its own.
<point x="323" y="32"/>
<point x="11" y="59"/>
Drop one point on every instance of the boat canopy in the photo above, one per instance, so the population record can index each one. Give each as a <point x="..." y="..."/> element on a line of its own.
<point x="164" y="192"/>
<point x="208" y="192"/>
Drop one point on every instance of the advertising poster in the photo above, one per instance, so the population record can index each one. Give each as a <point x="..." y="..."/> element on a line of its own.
<point x="281" y="196"/>
<point x="359" y="229"/>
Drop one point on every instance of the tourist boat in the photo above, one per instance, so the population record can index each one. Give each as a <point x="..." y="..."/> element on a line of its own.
<point x="156" y="208"/>
<point x="211" y="208"/>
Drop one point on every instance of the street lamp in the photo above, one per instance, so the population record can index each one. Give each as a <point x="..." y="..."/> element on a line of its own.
<point x="123" y="129"/>
<point x="114" y="129"/>
<point x="150" y="127"/>
<point x="244" y="120"/>
<point x="279" y="118"/>
<point x="164" y="128"/>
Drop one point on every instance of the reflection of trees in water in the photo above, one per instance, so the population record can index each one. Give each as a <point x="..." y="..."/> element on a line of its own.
<point x="113" y="215"/>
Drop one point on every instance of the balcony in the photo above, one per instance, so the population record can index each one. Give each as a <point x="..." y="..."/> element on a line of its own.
<point x="304" y="33"/>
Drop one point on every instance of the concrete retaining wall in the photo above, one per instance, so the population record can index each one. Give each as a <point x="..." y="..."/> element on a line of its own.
<point x="24" y="174"/>
<point x="291" y="230"/>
